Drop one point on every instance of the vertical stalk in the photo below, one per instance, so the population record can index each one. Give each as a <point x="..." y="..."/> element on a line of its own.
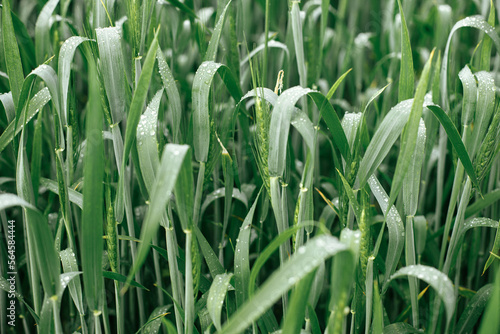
<point x="411" y="260"/>
<point x="189" y="306"/>
<point x="199" y="192"/>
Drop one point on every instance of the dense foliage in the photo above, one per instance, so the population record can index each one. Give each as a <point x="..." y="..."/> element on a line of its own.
<point x="192" y="166"/>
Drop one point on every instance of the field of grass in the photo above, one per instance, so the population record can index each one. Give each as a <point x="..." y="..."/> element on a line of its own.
<point x="237" y="166"/>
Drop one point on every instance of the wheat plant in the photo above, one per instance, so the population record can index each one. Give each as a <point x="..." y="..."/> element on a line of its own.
<point x="236" y="166"/>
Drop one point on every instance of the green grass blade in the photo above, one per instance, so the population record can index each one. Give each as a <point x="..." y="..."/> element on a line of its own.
<point x="394" y="225"/>
<point x="435" y="278"/>
<point x="300" y="265"/>
<point x="68" y="260"/>
<point x="74" y="196"/>
<point x="221" y="192"/>
<point x="494" y="250"/>
<point x="43" y="46"/>
<point x="242" y="256"/>
<point x="66" y="55"/>
<point x="280" y="123"/>
<point x="410" y="133"/>
<point x="112" y="67"/>
<point x="8" y="106"/>
<point x="485" y="107"/>
<point x="297" y="306"/>
<point x="400" y="328"/>
<point x="456" y="141"/>
<point x="470" y="95"/>
<point x="299" y="120"/>
<point x="490" y="321"/>
<point x="383" y="139"/>
<point x="298" y="43"/>
<point x="155" y="320"/>
<point x="136" y="107"/>
<point x="336" y="85"/>
<point x="201" y="89"/>
<point x="216" y="297"/>
<point x="172" y="94"/>
<point x="213" y="45"/>
<point x="170" y="165"/>
<point x="484" y="64"/>
<point x="406" y="74"/>
<point x="477" y="22"/>
<point x="11" y="53"/>
<point x="92" y="214"/>
<point x="147" y="144"/>
<point x="122" y="279"/>
<point x="343" y="268"/>
<point x="474" y="310"/>
<point x="36" y="103"/>
<point x="411" y="183"/>
<point x="214" y="266"/>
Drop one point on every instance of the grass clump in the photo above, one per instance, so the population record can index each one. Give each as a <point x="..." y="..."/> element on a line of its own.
<point x="153" y="180"/>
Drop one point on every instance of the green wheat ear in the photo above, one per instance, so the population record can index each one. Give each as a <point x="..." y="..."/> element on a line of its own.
<point x="489" y="148"/>
<point x="261" y="139"/>
<point x="364" y="227"/>
<point x="214" y="153"/>
<point x="196" y="263"/>
<point x="111" y="236"/>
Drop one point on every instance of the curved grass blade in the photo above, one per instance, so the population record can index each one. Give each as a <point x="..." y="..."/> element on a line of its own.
<point x="147" y="144"/>
<point x="44" y="250"/>
<point x="474" y="310"/>
<point x="435" y="278"/>
<point x="242" y="256"/>
<point x="411" y="183"/>
<point x="8" y="106"/>
<point x="303" y="262"/>
<point x="410" y="133"/>
<point x="219" y="193"/>
<point x="490" y="321"/>
<point x="36" y="103"/>
<point x="485" y="107"/>
<point x="66" y="54"/>
<point x="69" y="264"/>
<point x="401" y="328"/>
<point x="299" y="119"/>
<point x="216" y="297"/>
<point x="201" y="89"/>
<point x="213" y="45"/>
<point x="394" y="225"/>
<point x="43" y="45"/>
<point x="482" y="203"/>
<point x="406" y="74"/>
<point x="11" y="53"/>
<point x="112" y="68"/>
<point x="152" y="326"/>
<point x="213" y="264"/>
<point x="280" y="123"/>
<point x="383" y="139"/>
<point x="260" y="48"/>
<point x="172" y="94"/>
<point x="494" y="250"/>
<point x="74" y="196"/>
<point x="166" y="178"/>
<point x="136" y="107"/>
<point x="122" y="279"/>
<point x="477" y="22"/>
<point x="456" y="140"/>
<point x="297" y="306"/>
<point x="5" y="286"/>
